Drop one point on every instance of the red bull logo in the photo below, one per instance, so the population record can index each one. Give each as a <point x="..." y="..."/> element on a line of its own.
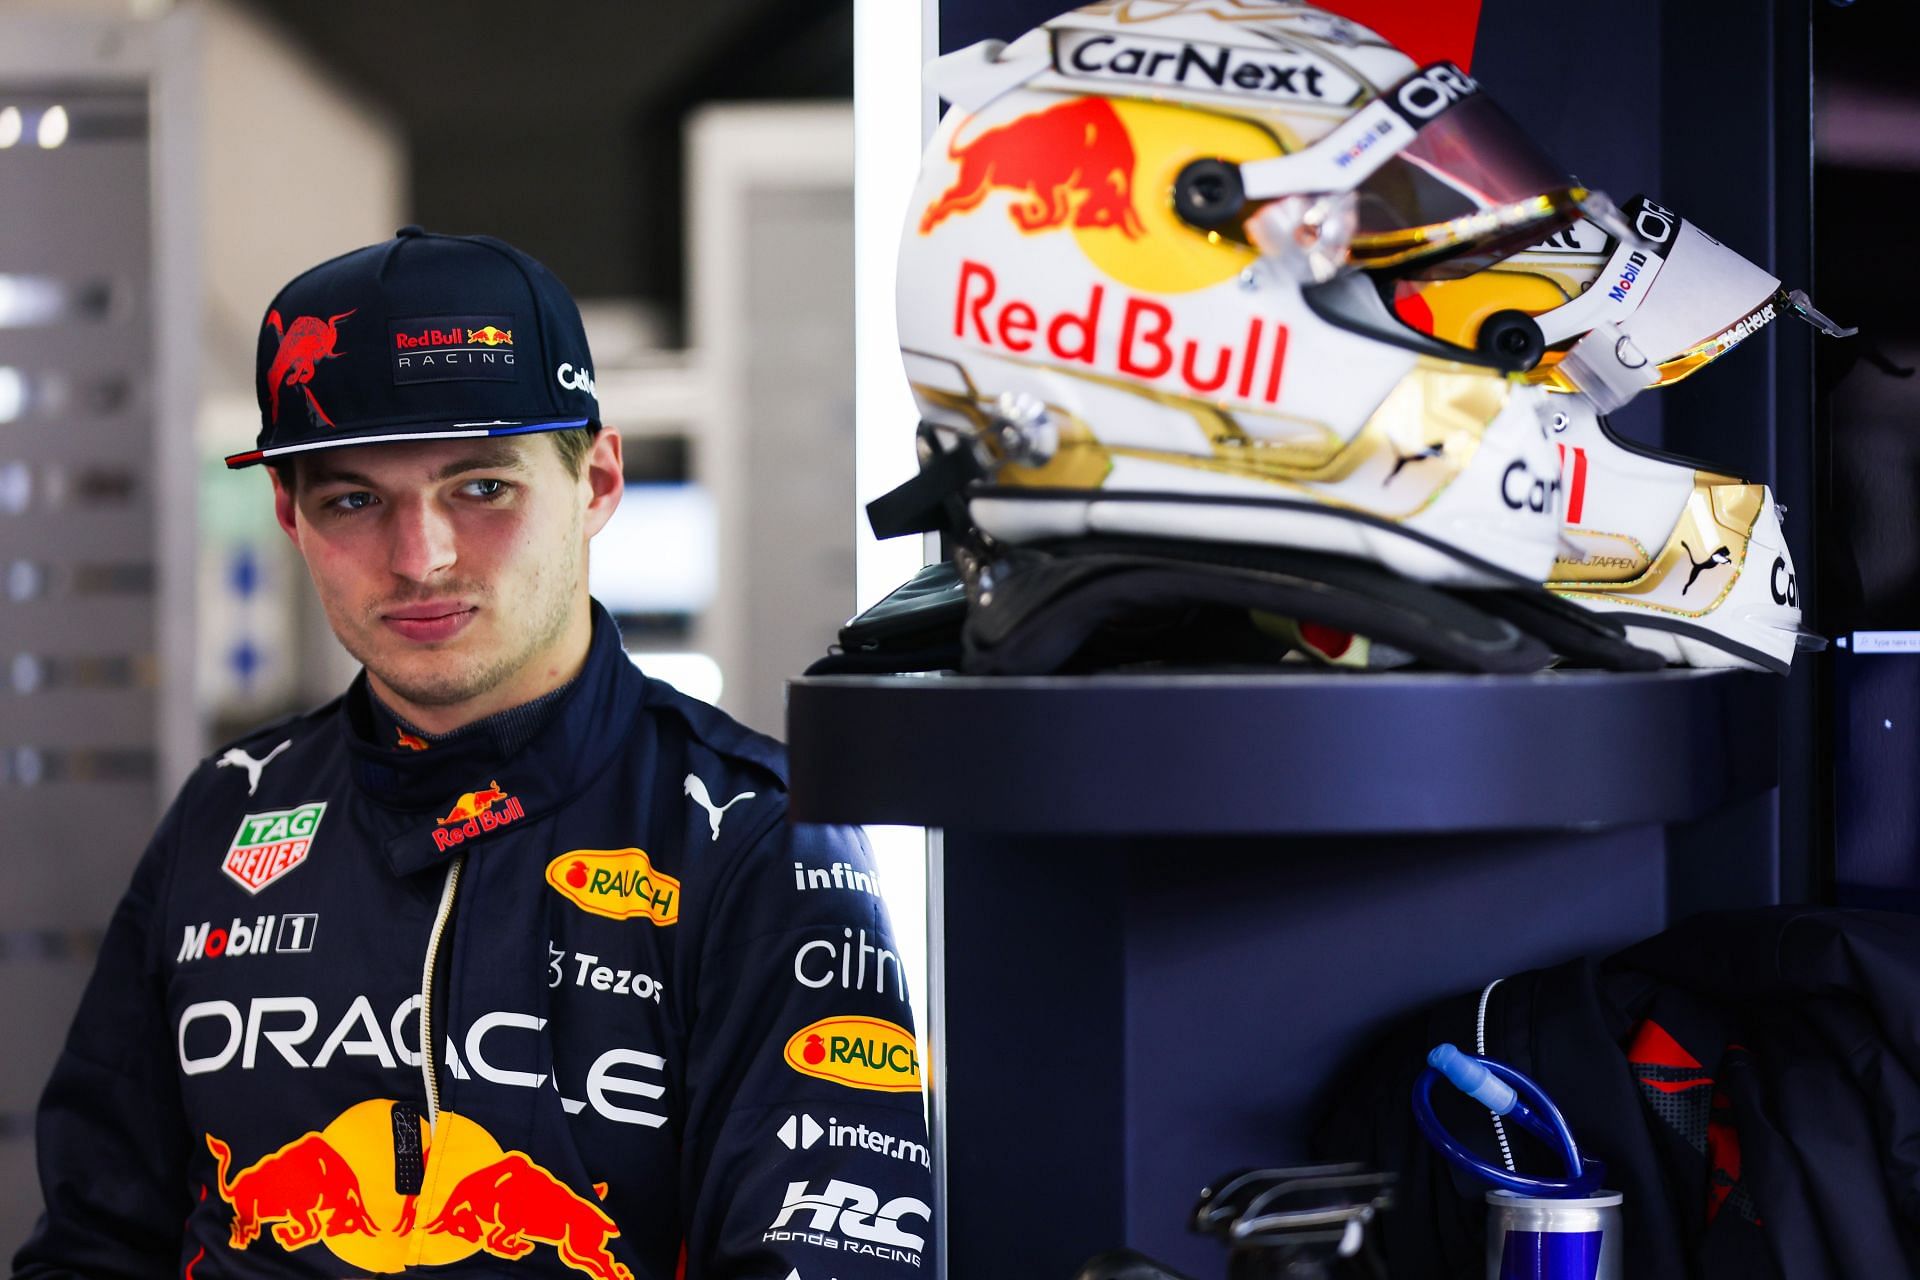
<point x="512" y="1204"/>
<point x="305" y="1189"/>
<point x="336" y="1187"/>
<point x="1071" y="164"/>
<point x="303" y="344"/>
<point x="412" y="742"/>
<point x="473" y="813"/>
<point x="490" y="336"/>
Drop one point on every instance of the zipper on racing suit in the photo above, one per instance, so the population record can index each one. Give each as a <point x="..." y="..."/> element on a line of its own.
<point x="445" y="912"/>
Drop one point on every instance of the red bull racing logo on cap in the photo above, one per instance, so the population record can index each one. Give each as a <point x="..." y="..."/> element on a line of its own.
<point x="452" y="349"/>
<point x="340" y="1187"/>
<point x="303" y="345"/>
<point x="487" y="809"/>
<point x="1070" y="164"/>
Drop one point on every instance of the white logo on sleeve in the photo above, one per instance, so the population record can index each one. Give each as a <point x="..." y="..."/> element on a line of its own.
<point x="850" y="1217"/>
<point x="697" y="790"/>
<point x="236" y="756"/>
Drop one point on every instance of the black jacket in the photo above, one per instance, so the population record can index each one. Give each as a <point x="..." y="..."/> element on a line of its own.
<point x="667" y="1029"/>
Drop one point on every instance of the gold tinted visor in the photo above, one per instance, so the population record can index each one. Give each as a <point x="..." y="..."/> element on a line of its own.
<point x="1470" y="243"/>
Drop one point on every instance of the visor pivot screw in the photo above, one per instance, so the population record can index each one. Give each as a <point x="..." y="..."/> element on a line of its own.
<point x="1561" y="421"/>
<point x="1208" y="194"/>
<point x="1512" y="339"/>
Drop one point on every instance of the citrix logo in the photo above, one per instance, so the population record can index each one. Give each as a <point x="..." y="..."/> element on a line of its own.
<point x="1785" y="587"/>
<point x="573" y="379"/>
<point x="850" y="974"/>
<point x="1521" y="490"/>
<point x="855" y="1212"/>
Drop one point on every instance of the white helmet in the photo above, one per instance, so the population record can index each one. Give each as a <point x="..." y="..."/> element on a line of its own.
<point x="1139" y="288"/>
<point x="1691" y="560"/>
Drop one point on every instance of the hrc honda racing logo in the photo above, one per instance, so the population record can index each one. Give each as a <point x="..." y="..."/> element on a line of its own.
<point x="343" y="1188"/>
<point x="850" y="1218"/>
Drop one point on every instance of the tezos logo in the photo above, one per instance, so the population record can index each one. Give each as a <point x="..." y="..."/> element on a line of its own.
<point x="861" y="1053"/>
<point x="589" y="972"/>
<point x="295" y="934"/>
<point x="1521" y="490"/>
<point x="1786" y="589"/>
<point x="620" y="884"/>
<point x="573" y="379"/>
<point x="1431" y="90"/>
<point x="269" y="845"/>
<point x="850" y="1218"/>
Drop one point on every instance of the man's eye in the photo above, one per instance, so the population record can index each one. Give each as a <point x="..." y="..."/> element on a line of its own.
<point x="355" y="501"/>
<point x="487" y="488"/>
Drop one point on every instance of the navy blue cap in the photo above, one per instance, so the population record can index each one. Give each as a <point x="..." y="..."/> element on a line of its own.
<point x="424" y="337"/>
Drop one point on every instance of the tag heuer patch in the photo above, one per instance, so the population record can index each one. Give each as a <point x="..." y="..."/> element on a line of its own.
<point x="268" y="845"/>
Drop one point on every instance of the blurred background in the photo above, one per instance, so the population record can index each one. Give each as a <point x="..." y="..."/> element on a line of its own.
<point x="685" y="166"/>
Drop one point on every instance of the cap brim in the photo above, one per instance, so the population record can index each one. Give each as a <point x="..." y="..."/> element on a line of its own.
<point x="451" y="431"/>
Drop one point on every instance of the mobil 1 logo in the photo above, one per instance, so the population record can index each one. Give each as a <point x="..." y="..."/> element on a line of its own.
<point x="291" y="933"/>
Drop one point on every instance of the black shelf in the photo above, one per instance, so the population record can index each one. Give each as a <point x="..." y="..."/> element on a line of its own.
<point x="1308" y="753"/>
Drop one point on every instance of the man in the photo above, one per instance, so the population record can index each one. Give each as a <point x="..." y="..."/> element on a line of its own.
<point x="507" y="959"/>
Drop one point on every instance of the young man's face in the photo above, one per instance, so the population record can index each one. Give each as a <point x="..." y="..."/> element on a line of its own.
<point x="454" y="570"/>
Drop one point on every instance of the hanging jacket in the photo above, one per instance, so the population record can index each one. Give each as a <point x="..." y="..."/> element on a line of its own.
<point x="1751" y="1080"/>
<point x="589" y="1006"/>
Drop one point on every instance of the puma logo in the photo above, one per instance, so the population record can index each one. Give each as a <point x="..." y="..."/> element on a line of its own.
<point x="235" y="756"/>
<point x="1428" y="454"/>
<point x="1721" y="556"/>
<point x="698" y="791"/>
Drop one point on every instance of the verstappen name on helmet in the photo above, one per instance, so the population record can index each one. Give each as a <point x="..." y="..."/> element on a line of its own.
<point x="213" y="1033"/>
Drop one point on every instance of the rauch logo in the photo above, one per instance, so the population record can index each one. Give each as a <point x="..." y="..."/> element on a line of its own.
<point x="861" y="1053"/>
<point x="620" y="884"/>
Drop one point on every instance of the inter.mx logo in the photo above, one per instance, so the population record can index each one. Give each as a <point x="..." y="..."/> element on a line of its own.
<point x="269" y="845"/>
<point x="850" y="1218"/>
<point x="800" y="1132"/>
<point x="289" y="933"/>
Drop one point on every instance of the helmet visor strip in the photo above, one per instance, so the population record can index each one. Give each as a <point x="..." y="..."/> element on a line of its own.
<point x="1443" y="180"/>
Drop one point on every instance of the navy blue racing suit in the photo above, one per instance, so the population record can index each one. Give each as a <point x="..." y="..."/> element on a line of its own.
<point x="588" y="1006"/>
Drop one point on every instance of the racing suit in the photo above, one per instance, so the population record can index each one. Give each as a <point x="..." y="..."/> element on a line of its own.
<point x="588" y="1006"/>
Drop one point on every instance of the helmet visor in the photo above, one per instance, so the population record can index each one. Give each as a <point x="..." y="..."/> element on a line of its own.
<point x="1469" y="189"/>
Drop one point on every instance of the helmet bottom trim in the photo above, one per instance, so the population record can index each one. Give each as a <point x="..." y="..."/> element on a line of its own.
<point x="1680" y="642"/>
<point x="1075" y="506"/>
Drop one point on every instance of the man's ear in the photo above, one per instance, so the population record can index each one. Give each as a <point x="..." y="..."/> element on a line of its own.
<point x="604" y="471"/>
<point x="283" y="507"/>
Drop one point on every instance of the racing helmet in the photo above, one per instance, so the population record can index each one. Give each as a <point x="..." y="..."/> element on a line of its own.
<point x="1141" y="291"/>
<point x="1692" y="561"/>
<point x="1612" y="311"/>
